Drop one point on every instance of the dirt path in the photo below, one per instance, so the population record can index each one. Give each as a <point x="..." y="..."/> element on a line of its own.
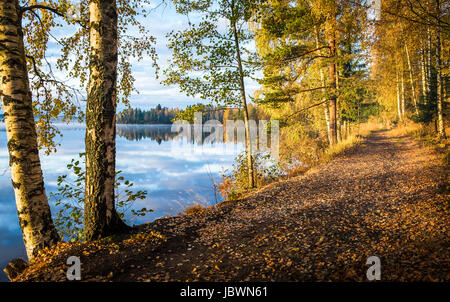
<point x="386" y="198"/>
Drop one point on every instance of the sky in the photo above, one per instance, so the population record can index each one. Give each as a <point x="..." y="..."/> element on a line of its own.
<point x="162" y="19"/>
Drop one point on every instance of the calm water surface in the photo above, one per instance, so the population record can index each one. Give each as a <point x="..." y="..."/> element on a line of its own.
<point x="175" y="172"/>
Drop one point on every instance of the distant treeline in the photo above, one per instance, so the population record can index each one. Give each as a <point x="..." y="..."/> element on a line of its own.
<point x="158" y="115"/>
<point x="164" y="115"/>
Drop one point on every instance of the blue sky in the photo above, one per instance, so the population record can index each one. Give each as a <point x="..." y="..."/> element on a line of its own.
<point x="160" y="21"/>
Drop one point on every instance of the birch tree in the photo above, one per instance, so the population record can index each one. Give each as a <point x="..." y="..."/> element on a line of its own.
<point x="98" y="54"/>
<point x="211" y="58"/>
<point x="100" y="216"/>
<point x="26" y="174"/>
<point x="439" y="88"/>
<point x="422" y="24"/>
<point x="330" y="29"/>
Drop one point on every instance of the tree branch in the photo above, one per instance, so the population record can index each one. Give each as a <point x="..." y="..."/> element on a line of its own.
<point x="41" y="6"/>
<point x="306" y="108"/>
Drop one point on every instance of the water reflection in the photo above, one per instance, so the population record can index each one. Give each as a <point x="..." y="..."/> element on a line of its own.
<point x="164" y="133"/>
<point x="175" y="173"/>
<point x="158" y="133"/>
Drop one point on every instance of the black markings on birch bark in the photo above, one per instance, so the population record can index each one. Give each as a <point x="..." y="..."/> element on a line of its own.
<point x="26" y="173"/>
<point x="101" y="218"/>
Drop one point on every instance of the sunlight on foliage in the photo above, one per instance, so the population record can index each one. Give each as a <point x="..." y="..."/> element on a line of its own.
<point x="69" y="200"/>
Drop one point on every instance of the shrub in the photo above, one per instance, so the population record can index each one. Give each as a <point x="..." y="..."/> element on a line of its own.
<point x="235" y="181"/>
<point x="70" y="200"/>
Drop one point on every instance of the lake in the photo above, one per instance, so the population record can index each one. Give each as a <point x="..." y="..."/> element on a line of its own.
<point x="176" y="172"/>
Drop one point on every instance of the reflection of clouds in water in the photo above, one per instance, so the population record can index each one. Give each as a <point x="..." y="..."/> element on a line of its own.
<point x="8" y="210"/>
<point x="175" y="174"/>
<point x="11" y="246"/>
<point x="175" y="203"/>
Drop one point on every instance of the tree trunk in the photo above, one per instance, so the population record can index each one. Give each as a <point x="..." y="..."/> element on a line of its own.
<point x="431" y="70"/>
<point x="338" y="111"/>
<point x="399" y="106"/>
<point x="226" y="116"/>
<point x="339" y="124"/>
<point x="402" y="78"/>
<point x="413" y="90"/>
<point x="251" y="177"/>
<point x="333" y="109"/>
<point x="347" y="130"/>
<point x="32" y="205"/>
<point x="101" y="218"/>
<point x="323" y="83"/>
<point x="439" y="101"/>
<point x="344" y="136"/>
<point x="326" y="110"/>
<point x="424" y="76"/>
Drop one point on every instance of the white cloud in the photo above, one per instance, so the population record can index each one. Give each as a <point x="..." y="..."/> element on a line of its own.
<point x="159" y="23"/>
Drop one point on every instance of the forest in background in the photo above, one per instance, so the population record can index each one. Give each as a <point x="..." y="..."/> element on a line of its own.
<point x="164" y="115"/>
<point x="157" y="115"/>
